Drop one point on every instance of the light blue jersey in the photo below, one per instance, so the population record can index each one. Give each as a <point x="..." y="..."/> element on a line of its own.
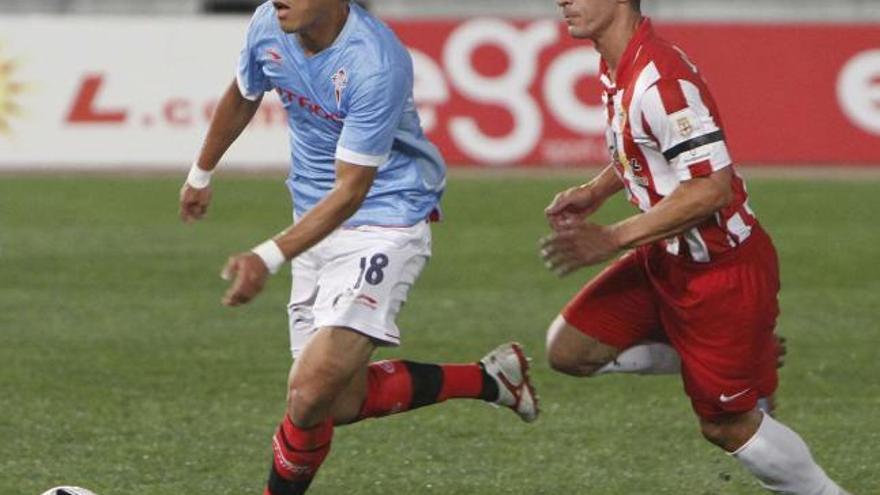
<point x="353" y="101"/>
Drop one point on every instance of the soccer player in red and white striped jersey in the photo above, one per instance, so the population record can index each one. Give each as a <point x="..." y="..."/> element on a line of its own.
<point x="700" y="272"/>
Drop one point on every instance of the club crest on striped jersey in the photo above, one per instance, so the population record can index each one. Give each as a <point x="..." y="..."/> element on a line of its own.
<point x="685" y="128"/>
<point x="340" y="82"/>
<point x="686" y="122"/>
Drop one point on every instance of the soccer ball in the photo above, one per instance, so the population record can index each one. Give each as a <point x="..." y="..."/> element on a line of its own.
<point x="68" y="490"/>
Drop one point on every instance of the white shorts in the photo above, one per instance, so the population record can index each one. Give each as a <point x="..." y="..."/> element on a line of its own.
<point x="356" y="278"/>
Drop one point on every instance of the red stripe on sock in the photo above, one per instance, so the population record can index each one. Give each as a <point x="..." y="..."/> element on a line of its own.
<point x="462" y="381"/>
<point x="309" y="439"/>
<point x="389" y="389"/>
<point x="297" y="452"/>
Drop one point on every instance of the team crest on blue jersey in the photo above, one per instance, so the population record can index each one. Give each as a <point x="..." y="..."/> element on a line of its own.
<point x="340" y="81"/>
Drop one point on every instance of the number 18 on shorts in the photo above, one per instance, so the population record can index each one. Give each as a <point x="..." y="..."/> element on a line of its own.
<point x="357" y="278"/>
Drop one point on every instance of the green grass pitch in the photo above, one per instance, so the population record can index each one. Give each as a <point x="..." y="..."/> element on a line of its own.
<point x="121" y="372"/>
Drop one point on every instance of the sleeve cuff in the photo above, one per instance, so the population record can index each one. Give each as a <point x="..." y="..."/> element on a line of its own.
<point x="243" y="89"/>
<point x="355" y="158"/>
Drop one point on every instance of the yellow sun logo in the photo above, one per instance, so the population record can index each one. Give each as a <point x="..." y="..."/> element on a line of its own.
<point x="9" y="90"/>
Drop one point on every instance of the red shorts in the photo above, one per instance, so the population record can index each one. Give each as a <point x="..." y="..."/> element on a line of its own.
<point x="719" y="316"/>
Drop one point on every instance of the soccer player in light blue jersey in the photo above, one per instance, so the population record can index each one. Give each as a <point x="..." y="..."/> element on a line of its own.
<point x="366" y="183"/>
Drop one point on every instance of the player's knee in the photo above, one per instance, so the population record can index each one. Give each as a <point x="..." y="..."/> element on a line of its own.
<point x="572" y="353"/>
<point x="564" y="360"/>
<point x="307" y="405"/>
<point x="721" y="435"/>
<point x="731" y="432"/>
<point x="713" y="432"/>
<point x="308" y="401"/>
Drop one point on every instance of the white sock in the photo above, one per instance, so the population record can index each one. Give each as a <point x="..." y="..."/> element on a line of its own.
<point x="781" y="461"/>
<point x="651" y="358"/>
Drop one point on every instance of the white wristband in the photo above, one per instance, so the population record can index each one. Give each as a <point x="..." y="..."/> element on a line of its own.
<point x="271" y="255"/>
<point x="198" y="178"/>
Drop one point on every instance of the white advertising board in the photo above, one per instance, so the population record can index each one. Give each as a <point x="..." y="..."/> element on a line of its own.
<point x="109" y="91"/>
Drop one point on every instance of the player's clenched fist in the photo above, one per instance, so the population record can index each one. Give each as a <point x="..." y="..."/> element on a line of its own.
<point x="248" y="273"/>
<point x="571" y="206"/>
<point x="194" y="202"/>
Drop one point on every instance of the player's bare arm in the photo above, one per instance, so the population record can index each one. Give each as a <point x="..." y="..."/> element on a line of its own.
<point x="252" y="269"/>
<point x="585" y="243"/>
<point x="577" y="203"/>
<point x="232" y="115"/>
<point x="689" y="205"/>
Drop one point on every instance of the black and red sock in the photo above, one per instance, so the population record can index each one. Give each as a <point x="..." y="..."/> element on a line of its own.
<point x="397" y="386"/>
<point x="297" y="455"/>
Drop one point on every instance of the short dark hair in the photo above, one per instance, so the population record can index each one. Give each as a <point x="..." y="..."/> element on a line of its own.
<point x="636" y="5"/>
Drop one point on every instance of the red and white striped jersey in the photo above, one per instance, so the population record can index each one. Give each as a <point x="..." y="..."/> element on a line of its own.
<point x="664" y="128"/>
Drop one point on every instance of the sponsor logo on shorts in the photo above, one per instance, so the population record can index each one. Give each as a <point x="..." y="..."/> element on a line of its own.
<point x="348" y="297"/>
<point x="365" y="300"/>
